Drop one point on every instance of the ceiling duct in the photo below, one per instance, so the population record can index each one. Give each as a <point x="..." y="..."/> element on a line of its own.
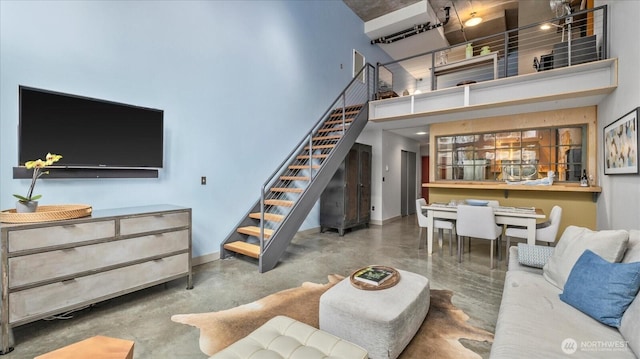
<point x="417" y="29"/>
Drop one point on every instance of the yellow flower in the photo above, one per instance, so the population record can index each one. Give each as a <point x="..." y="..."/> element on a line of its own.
<point x="51" y="158"/>
<point x="37" y="166"/>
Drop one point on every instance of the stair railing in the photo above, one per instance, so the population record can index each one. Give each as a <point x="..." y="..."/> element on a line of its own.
<point x="360" y="96"/>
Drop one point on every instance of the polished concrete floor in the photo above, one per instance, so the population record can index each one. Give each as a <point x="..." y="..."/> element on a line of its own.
<point x="144" y="316"/>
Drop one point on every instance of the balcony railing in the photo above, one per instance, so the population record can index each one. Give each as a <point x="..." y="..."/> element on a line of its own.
<point x="573" y="39"/>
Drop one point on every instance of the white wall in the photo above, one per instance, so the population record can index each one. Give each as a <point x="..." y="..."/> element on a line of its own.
<point x="619" y="203"/>
<point x="240" y="83"/>
<point x="392" y="147"/>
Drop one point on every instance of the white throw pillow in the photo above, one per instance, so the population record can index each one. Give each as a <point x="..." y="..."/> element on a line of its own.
<point x="633" y="247"/>
<point x="609" y="244"/>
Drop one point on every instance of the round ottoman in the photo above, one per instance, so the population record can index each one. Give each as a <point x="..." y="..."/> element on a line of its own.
<point x="381" y="321"/>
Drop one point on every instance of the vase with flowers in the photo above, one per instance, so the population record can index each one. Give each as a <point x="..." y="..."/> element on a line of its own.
<point x="29" y="202"/>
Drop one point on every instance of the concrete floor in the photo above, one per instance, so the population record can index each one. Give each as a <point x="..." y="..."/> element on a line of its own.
<point x="144" y="316"/>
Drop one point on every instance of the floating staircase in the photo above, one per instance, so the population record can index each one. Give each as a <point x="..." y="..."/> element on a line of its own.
<point x="290" y="193"/>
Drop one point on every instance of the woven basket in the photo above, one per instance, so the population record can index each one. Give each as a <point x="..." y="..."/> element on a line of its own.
<point x="46" y="213"/>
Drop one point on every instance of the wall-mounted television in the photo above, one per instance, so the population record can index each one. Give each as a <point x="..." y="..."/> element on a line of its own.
<point x="89" y="133"/>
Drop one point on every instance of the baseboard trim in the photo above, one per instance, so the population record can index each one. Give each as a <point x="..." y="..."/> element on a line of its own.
<point x="378" y="222"/>
<point x="196" y="261"/>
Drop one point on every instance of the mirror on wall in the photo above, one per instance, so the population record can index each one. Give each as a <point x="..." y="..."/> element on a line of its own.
<point x="512" y="156"/>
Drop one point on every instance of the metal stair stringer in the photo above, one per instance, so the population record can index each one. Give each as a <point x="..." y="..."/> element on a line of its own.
<point x="282" y="237"/>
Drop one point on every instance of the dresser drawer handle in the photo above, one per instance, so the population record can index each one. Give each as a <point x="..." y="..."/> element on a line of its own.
<point x="69" y="226"/>
<point x="158" y="260"/>
<point x="68" y="281"/>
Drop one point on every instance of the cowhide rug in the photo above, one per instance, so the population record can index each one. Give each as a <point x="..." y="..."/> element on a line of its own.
<point x="438" y="337"/>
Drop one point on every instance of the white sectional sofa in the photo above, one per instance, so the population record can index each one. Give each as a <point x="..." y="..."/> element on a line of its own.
<point x="534" y="322"/>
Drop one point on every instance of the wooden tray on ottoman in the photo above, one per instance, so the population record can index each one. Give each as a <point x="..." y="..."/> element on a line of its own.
<point x="395" y="278"/>
<point x="46" y="213"/>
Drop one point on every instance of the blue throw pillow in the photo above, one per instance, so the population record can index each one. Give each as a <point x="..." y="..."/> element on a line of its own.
<point x="601" y="289"/>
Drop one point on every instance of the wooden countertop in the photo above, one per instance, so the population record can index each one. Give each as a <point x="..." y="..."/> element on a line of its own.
<point x="568" y="187"/>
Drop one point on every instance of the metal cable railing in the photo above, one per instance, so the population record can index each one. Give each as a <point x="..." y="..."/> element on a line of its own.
<point x="567" y="40"/>
<point x="297" y="171"/>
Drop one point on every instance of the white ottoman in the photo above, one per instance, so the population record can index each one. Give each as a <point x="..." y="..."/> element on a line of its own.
<point x="381" y="321"/>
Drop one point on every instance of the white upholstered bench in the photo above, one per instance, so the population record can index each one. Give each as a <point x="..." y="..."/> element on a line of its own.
<point x="283" y="337"/>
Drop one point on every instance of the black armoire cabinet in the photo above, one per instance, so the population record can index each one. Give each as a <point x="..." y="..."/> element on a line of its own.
<point x="346" y="201"/>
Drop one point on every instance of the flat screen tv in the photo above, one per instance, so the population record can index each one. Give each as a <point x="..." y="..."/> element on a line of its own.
<point x="88" y="132"/>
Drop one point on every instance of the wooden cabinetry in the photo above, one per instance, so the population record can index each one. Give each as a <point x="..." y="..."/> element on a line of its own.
<point x="53" y="267"/>
<point x="346" y="201"/>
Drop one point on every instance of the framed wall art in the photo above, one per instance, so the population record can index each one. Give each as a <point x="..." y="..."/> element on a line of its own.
<point x="621" y="145"/>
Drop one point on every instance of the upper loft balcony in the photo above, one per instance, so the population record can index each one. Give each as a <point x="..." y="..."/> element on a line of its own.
<point x="557" y="63"/>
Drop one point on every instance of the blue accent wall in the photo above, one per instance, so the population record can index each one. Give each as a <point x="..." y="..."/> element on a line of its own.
<point x="240" y="83"/>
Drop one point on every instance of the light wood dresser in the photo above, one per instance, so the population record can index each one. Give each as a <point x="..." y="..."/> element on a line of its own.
<point x="54" y="267"/>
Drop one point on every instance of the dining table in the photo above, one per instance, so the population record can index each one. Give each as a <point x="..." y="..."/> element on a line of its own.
<point x="515" y="216"/>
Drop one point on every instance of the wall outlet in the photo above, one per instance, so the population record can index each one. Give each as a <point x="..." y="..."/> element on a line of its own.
<point x="373" y="208"/>
<point x="203" y="180"/>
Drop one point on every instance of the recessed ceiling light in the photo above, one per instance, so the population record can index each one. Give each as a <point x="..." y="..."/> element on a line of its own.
<point x="473" y="20"/>
<point x="421" y="133"/>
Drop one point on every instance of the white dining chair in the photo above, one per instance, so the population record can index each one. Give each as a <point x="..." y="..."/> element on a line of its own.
<point x="477" y="222"/>
<point x="545" y="232"/>
<point x="439" y="224"/>
<point x="490" y="203"/>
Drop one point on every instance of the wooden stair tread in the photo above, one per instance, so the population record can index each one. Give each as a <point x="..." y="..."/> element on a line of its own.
<point x="306" y="157"/>
<point x="247" y="249"/>
<point x="337" y="122"/>
<point x="327" y="138"/>
<point x="338" y="113"/>
<point x="332" y="129"/>
<point x="278" y="202"/>
<point x="287" y="189"/>
<point x="303" y="167"/>
<point x="295" y="178"/>
<point x="267" y="216"/>
<point x="255" y="231"/>
<point x="319" y="147"/>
